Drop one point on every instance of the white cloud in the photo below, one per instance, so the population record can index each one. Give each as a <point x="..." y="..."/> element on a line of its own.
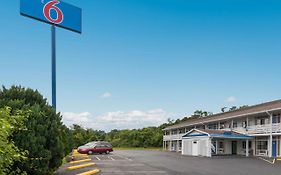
<point x="118" y="119"/>
<point x="106" y="95"/>
<point x="70" y="118"/>
<point x="230" y="99"/>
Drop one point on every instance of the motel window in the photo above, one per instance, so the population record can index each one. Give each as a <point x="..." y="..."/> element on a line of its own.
<point x="213" y="126"/>
<point x="181" y="130"/>
<point x="244" y="144"/>
<point x="222" y="125"/>
<point x="174" y="132"/>
<point x="276" y="119"/>
<point x="262" y="145"/>
<point x="235" y="125"/>
<point x="261" y="121"/>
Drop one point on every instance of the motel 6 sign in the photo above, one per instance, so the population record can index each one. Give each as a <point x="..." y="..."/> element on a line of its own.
<point x="54" y="12"/>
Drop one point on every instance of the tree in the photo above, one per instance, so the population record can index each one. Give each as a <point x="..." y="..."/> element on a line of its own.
<point x="42" y="138"/>
<point x="233" y="108"/>
<point x="223" y="109"/>
<point x="9" y="152"/>
<point x="243" y="106"/>
<point x="200" y="114"/>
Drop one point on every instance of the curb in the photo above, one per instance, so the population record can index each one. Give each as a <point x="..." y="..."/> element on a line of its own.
<point x="80" y="166"/>
<point x="95" y="171"/>
<point x="80" y="161"/>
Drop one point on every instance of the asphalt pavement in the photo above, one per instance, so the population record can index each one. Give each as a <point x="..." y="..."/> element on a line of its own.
<point x="169" y="163"/>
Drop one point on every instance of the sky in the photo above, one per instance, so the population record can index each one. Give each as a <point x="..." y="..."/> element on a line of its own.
<point x="139" y="62"/>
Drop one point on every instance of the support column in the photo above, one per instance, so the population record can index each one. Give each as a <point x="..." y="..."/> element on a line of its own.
<point x="163" y="145"/>
<point x="231" y="125"/>
<point x="170" y="145"/>
<point x="279" y="146"/>
<point x="217" y="147"/>
<point x="247" y="148"/>
<point x="178" y="146"/>
<point x="254" y="147"/>
<point x="270" y="137"/>
<point x="247" y="124"/>
<point x="219" y="125"/>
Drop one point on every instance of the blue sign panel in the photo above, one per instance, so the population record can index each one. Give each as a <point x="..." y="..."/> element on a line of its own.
<point x="53" y="12"/>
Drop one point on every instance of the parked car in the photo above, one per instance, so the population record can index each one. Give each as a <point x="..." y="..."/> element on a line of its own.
<point x="95" y="147"/>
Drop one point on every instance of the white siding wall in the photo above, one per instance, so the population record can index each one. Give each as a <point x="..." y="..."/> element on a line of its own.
<point x="187" y="147"/>
<point x="204" y="146"/>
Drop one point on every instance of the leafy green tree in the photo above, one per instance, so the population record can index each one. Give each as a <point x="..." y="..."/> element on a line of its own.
<point x="233" y="108"/>
<point x="223" y="109"/>
<point x="200" y="114"/>
<point x="9" y="152"/>
<point x="42" y="138"/>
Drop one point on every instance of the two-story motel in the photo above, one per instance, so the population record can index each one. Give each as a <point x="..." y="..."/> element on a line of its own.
<point x="250" y="131"/>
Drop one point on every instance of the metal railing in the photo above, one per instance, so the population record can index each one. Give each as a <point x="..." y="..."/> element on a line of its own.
<point x="173" y="137"/>
<point x="264" y="129"/>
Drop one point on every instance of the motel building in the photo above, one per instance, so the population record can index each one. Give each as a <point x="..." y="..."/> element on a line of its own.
<point x="250" y="131"/>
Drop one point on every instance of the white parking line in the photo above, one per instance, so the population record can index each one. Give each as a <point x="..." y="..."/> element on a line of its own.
<point x="125" y="158"/>
<point x="120" y="164"/>
<point x="110" y="157"/>
<point x="135" y="172"/>
<point x="267" y="160"/>
<point x="97" y="157"/>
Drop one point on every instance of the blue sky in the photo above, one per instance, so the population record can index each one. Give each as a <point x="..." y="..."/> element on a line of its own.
<point x="139" y="62"/>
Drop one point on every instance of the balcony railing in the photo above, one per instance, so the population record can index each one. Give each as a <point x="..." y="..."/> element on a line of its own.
<point x="173" y="137"/>
<point x="258" y="129"/>
<point x="264" y="129"/>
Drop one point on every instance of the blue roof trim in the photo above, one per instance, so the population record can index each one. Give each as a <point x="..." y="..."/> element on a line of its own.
<point x="194" y="135"/>
<point x="232" y="136"/>
<point x="226" y="135"/>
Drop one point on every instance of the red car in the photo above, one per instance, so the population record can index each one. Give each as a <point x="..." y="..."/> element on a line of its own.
<point x="95" y="147"/>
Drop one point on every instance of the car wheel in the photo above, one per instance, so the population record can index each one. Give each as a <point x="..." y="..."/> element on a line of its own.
<point x="107" y="152"/>
<point x="90" y="152"/>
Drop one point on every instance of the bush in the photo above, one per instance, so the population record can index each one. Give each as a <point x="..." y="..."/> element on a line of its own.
<point x="9" y="153"/>
<point x="42" y="138"/>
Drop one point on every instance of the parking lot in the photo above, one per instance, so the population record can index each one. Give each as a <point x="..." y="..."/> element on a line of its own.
<point x="164" y="163"/>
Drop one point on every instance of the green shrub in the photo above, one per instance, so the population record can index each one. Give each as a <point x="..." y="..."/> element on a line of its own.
<point x="9" y="153"/>
<point x="42" y="138"/>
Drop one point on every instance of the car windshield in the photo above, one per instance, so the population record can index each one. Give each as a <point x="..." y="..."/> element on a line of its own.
<point x="90" y="144"/>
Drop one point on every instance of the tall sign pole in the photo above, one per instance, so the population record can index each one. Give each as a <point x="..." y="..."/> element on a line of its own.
<point x="54" y="80"/>
<point x="56" y="13"/>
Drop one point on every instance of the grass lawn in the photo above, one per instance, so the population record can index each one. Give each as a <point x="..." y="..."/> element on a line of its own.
<point x="137" y="148"/>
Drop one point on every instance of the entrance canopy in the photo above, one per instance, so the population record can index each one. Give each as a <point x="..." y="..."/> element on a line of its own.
<point x="216" y="134"/>
<point x="206" y="142"/>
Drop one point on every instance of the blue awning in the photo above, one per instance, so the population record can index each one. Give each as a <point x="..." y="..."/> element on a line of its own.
<point x="231" y="136"/>
<point x="216" y="134"/>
